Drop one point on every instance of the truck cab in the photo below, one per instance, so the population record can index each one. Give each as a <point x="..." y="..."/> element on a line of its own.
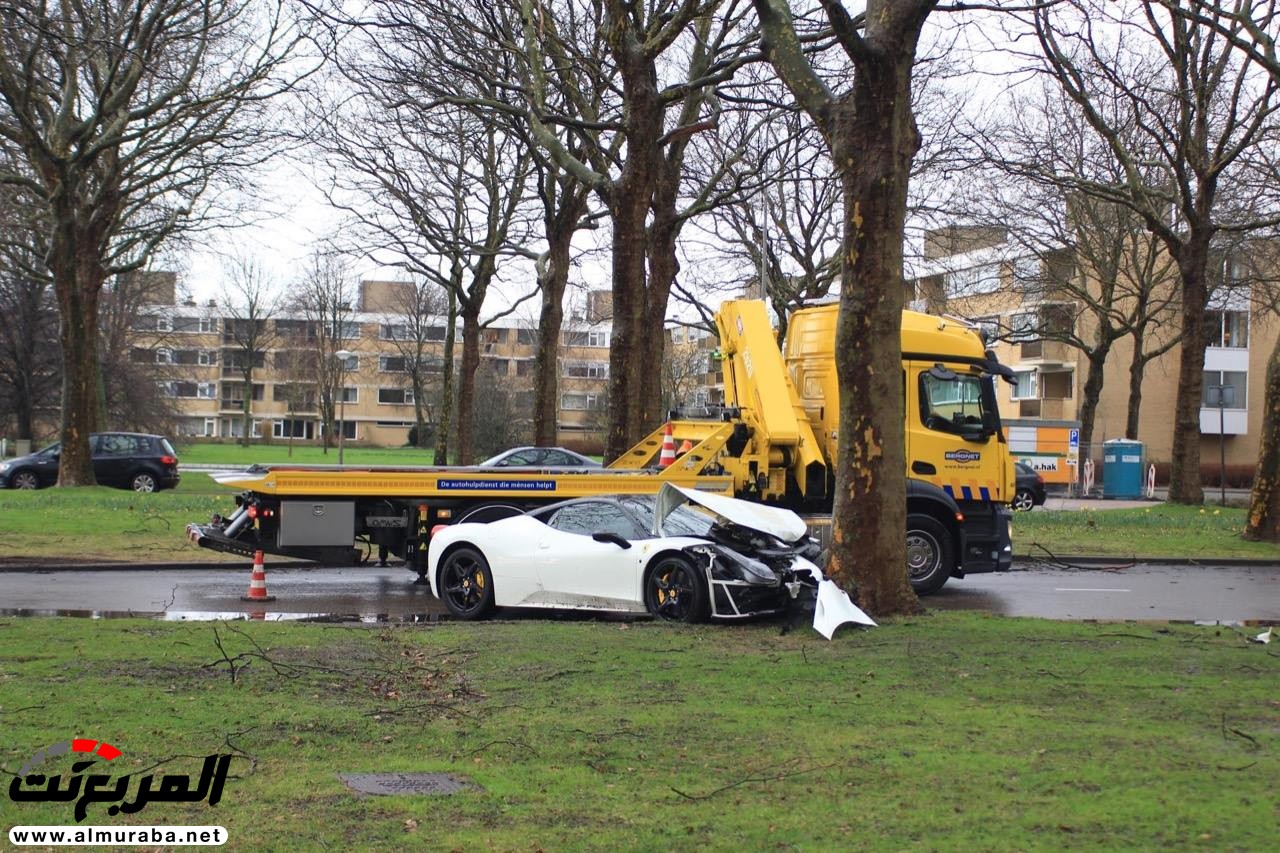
<point x="960" y="477"/>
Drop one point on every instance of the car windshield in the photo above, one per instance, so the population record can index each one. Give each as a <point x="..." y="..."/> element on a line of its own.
<point x="682" y="521"/>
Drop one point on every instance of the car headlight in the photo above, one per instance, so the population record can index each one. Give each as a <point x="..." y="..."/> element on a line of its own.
<point x="727" y="564"/>
<point x="5" y="466"/>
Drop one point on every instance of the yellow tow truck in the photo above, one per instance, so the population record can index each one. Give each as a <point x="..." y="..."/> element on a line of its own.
<point x="773" y="440"/>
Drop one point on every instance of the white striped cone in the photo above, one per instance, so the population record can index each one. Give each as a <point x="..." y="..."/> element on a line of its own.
<point x="257" y="582"/>
<point x="668" y="454"/>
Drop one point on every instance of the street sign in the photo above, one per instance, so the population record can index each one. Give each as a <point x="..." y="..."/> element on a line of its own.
<point x="1073" y="447"/>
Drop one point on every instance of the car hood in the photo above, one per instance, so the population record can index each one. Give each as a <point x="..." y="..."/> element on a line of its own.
<point x="782" y="523"/>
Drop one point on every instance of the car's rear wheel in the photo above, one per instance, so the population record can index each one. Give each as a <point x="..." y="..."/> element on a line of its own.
<point x="466" y="584"/>
<point x="675" y="591"/>
<point x="929" y="557"/>
<point x="143" y="481"/>
<point x="25" y="480"/>
<point x="1023" y="501"/>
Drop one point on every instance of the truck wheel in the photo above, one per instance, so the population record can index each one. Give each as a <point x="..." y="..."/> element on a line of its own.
<point x="674" y="591"/>
<point x="929" y="557"/>
<point x="466" y="584"/>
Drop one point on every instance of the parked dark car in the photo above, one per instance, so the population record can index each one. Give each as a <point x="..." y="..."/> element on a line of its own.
<point x="126" y="460"/>
<point x="1028" y="490"/>
<point x="539" y="457"/>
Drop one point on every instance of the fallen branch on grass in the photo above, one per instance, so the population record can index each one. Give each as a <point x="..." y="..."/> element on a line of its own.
<point x="749" y="780"/>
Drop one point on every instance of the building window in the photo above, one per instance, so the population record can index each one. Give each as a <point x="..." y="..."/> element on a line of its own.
<point x="1228" y="329"/>
<point x="1024" y="327"/>
<point x="524" y="367"/>
<point x="393" y="364"/>
<point x="206" y="357"/>
<point x="190" y="390"/>
<point x="581" y="402"/>
<point x="498" y="366"/>
<point x="233" y="392"/>
<point x="1235" y="385"/>
<point x="293" y="428"/>
<point x="348" y="394"/>
<point x="587" y="369"/>
<point x="527" y="337"/>
<point x="395" y="332"/>
<point x="436" y="333"/>
<point x="1026" y="386"/>
<point x="193" y="325"/>
<point x="396" y="396"/>
<point x="495" y="336"/>
<point x="980" y="279"/>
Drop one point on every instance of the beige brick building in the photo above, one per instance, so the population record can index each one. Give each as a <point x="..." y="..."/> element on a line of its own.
<point x="977" y="274"/>
<point x="196" y="342"/>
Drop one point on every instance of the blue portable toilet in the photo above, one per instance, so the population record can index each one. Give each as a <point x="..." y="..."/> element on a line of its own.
<point x="1122" y="466"/>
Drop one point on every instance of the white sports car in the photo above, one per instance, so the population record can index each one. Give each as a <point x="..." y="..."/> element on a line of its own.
<point x="637" y="554"/>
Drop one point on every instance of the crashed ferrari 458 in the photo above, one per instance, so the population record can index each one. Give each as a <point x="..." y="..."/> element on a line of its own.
<point x="726" y="559"/>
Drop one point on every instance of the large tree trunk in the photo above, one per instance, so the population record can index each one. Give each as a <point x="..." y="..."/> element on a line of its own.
<point x="1263" y="521"/>
<point x="1184" y="473"/>
<point x="1092" y="391"/>
<point x="77" y="278"/>
<point x="874" y="139"/>
<point x="445" y="413"/>
<point x="1137" y="367"/>
<point x="550" y="320"/>
<point x="467" y="383"/>
<point x="664" y="266"/>
<point x="629" y="204"/>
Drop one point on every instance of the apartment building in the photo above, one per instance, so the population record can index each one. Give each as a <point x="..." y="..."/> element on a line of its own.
<point x="202" y="348"/>
<point x="980" y="275"/>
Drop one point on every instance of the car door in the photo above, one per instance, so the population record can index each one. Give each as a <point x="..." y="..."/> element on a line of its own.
<point x="113" y="457"/>
<point x="577" y="571"/>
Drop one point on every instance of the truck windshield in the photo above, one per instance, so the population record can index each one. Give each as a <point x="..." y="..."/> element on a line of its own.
<point x="954" y="404"/>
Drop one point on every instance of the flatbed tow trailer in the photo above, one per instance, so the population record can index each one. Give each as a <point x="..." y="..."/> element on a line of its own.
<point x="337" y="514"/>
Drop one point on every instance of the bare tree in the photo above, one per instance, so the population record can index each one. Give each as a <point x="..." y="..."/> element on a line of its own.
<point x="415" y="330"/>
<point x="30" y="361"/>
<point x="1208" y="118"/>
<point x="122" y="116"/>
<point x="324" y="298"/>
<point x="249" y="330"/>
<point x="1250" y="28"/>
<point x="870" y="131"/>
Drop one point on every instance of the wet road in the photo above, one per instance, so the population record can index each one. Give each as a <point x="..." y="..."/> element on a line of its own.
<point x="1142" y="592"/>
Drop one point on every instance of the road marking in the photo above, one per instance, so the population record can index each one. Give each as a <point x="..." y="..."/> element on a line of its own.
<point x="1087" y="589"/>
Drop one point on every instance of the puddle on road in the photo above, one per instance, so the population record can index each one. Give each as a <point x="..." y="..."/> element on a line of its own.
<point x="238" y="615"/>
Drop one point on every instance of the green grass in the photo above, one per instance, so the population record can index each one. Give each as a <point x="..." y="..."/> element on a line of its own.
<point x="953" y="732"/>
<point x="1164" y="530"/>
<point x="234" y="454"/>
<point x="87" y="524"/>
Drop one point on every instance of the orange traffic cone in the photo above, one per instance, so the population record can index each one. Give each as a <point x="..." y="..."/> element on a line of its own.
<point x="685" y="447"/>
<point x="257" y="582"/>
<point x="668" y="454"/>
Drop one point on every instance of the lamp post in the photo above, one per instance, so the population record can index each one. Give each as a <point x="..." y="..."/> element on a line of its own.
<point x="342" y="355"/>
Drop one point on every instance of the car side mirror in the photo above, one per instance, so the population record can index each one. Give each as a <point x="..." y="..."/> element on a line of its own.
<point x="606" y="536"/>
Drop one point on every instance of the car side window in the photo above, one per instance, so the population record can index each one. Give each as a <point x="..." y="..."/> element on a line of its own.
<point x="591" y="517"/>
<point x="516" y="459"/>
<point x="118" y="445"/>
<point x="556" y="457"/>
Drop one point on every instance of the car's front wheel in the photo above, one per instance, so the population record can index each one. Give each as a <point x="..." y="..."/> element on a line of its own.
<point x="466" y="584"/>
<point x="1023" y="501"/>
<point x="674" y="591"/>
<point x="929" y="556"/>
<point x="143" y="481"/>
<point x="25" y="480"/>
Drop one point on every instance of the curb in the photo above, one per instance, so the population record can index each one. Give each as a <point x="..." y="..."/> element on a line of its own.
<point x="1114" y="562"/>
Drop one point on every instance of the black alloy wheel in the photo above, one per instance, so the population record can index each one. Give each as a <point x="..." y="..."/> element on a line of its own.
<point x="466" y="584"/>
<point x="675" y="592"/>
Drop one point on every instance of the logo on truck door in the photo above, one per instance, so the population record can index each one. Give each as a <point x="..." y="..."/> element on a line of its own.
<point x="962" y="456"/>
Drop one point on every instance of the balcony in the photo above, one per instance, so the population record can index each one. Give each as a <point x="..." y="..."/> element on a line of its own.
<point x="1046" y="353"/>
